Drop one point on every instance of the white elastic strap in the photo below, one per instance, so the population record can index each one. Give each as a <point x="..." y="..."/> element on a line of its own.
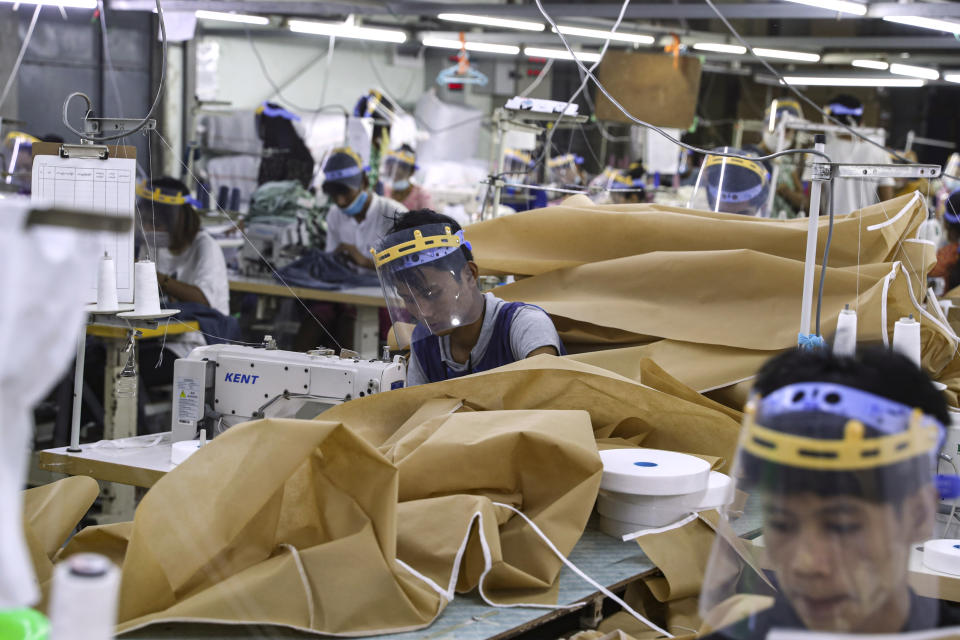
<point x="900" y="213"/>
<point x="670" y="527"/>
<point x="307" y="591"/>
<point x="580" y="573"/>
<point x="890" y="277"/>
<point x="926" y="314"/>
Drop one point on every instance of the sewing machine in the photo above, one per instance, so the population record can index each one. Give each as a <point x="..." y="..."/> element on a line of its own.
<point x="221" y="385"/>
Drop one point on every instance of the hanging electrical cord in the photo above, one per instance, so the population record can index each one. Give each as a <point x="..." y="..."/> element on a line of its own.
<point x="536" y="83"/>
<point x="153" y="107"/>
<point x="23" y="51"/>
<point x="107" y="57"/>
<point x="800" y="94"/>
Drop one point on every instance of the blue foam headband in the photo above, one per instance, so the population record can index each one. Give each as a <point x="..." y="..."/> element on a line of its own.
<point x="737" y="196"/>
<point x="952" y="218"/>
<point x="843" y="110"/>
<point x="878" y="412"/>
<point x="339" y="174"/>
<point x="279" y="112"/>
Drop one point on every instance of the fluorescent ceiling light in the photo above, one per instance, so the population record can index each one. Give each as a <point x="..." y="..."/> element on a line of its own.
<point x="600" y="34"/>
<point x="484" y="47"/>
<point x="914" y="72"/>
<point x="836" y="5"/>
<point x="787" y="55"/>
<point x="72" y="4"/>
<point x="492" y="22"/>
<point x="840" y="81"/>
<point x="231" y="17"/>
<point x="879" y="65"/>
<point x="343" y="30"/>
<point x="560" y="54"/>
<point x="926" y="23"/>
<point x="717" y="47"/>
<point x="951" y="77"/>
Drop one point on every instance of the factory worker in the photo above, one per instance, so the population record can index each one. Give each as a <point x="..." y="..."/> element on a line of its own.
<point x="790" y="199"/>
<point x="358" y="218"/>
<point x="566" y="170"/>
<point x="429" y="280"/>
<point x="851" y="194"/>
<point x="381" y="110"/>
<point x="732" y="184"/>
<point x="840" y="452"/>
<point x="396" y="174"/>
<point x="628" y="186"/>
<point x="18" y="160"/>
<point x="286" y="154"/>
<point x="947" y="263"/>
<point x="192" y="274"/>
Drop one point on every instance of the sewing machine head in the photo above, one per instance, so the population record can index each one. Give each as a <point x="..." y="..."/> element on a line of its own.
<point x="218" y="386"/>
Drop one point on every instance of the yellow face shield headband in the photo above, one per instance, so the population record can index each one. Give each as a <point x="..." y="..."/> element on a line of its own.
<point x="165" y="198"/>
<point x="445" y="243"/>
<point x="737" y="162"/>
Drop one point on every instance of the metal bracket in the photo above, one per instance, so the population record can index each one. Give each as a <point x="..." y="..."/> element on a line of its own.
<point x="823" y="171"/>
<point x="100" y="126"/>
<point x="94" y="151"/>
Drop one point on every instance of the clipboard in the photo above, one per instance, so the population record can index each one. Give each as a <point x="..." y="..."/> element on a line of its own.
<point x="96" y="179"/>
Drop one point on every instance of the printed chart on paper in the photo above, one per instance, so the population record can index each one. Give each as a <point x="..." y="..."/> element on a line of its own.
<point x="99" y="186"/>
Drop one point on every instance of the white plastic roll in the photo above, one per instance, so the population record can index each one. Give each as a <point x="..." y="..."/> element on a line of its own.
<point x="640" y="515"/>
<point x="942" y="555"/>
<point x="146" y="293"/>
<point x="653" y="472"/>
<point x="719" y="492"/>
<point x="107" y="285"/>
<point x="180" y="451"/>
<point x="83" y="603"/>
<point x="618" y="528"/>
<point x="906" y="338"/>
<point x="845" y="340"/>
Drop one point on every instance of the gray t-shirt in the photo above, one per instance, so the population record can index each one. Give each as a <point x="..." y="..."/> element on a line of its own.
<point x="530" y="329"/>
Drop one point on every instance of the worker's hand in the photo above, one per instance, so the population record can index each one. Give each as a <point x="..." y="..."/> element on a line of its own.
<point x="163" y="279"/>
<point x="349" y="252"/>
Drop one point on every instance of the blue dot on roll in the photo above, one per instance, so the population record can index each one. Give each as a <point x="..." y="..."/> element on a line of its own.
<point x="645" y="464"/>
<point x="956" y="546"/>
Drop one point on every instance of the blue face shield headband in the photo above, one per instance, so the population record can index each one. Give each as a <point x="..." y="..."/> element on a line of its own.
<point x="278" y="112"/>
<point x="843" y="110"/>
<point x="736" y="196"/>
<point x="340" y="174"/>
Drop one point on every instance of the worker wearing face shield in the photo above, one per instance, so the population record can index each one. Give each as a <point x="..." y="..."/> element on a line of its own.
<point x="358" y="218"/>
<point x="396" y="174"/>
<point x="429" y="280"/>
<point x="790" y="200"/>
<point x="732" y="184"/>
<point x="628" y="186"/>
<point x="841" y="453"/>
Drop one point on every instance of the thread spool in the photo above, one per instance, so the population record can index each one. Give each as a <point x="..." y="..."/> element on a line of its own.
<point x="83" y="603"/>
<point x="653" y="472"/>
<point x="146" y="298"/>
<point x="107" y="285"/>
<point x="942" y="555"/>
<point x="845" y="339"/>
<point x="906" y="338"/>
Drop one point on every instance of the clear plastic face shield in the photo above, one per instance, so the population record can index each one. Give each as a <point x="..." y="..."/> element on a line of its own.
<point x="427" y="280"/>
<point x="397" y="169"/>
<point x="18" y="159"/>
<point x="565" y="169"/>
<point x="776" y="117"/>
<point x="845" y="482"/>
<point x="600" y="184"/>
<point x="731" y="185"/>
<point x="516" y="166"/>
<point x="158" y="211"/>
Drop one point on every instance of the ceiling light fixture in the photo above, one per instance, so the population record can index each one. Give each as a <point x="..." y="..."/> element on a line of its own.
<point x="914" y="72"/>
<point x="70" y="4"/>
<point x="344" y="30"/>
<point x="951" y="77"/>
<point x="633" y="38"/>
<point x="841" y="6"/>
<point x="481" y="47"/>
<point x="231" y="17"/>
<point x="560" y="54"/>
<point x="926" y="23"/>
<point x="879" y="65"/>
<point x="780" y="54"/>
<point x="717" y="47"/>
<point x="489" y="21"/>
<point x="847" y="81"/>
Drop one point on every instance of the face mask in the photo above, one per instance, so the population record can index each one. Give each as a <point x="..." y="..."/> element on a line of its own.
<point x="357" y="205"/>
<point x="401" y="185"/>
<point x="157" y="239"/>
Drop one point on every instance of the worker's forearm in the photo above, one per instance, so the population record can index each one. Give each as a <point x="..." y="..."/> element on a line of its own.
<point x="183" y="291"/>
